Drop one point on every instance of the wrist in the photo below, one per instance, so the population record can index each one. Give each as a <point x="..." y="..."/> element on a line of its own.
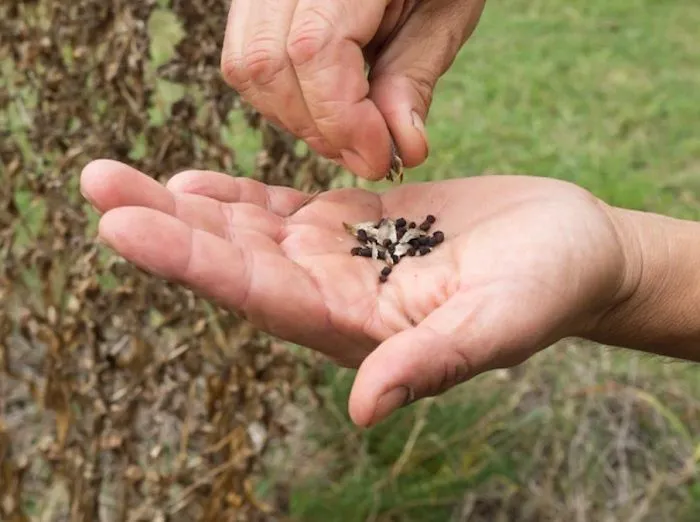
<point x="656" y="307"/>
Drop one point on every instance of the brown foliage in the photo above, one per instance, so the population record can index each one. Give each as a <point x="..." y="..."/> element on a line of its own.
<point x="123" y="397"/>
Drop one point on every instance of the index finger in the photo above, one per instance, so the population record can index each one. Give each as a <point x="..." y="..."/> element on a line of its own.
<point x="325" y="47"/>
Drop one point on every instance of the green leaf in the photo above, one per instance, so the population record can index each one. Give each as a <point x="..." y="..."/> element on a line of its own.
<point x="166" y="32"/>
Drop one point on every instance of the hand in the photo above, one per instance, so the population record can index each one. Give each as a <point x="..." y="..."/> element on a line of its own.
<point x="526" y="261"/>
<point x="301" y="63"/>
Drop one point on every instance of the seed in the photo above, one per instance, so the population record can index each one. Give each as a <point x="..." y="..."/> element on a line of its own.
<point x="424" y="226"/>
<point x="438" y="236"/>
<point x="430" y="218"/>
<point x="386" y="270"/>
<point x="362" y="236"/>
<point x="400" y="223"/>
<point x="387" y="243"/>
<point x="366" y="252"/>
<point x="382" y="278"/>
<point x="424" y="250"/>
<point x="412" y="224"/>
<point x="423" y="241"/>
<point x="356" y="251"/>
<point x="391" y="248"/>
<point x="415" y="242"/>
<point x="395" y="259"/>
<point x="400" y="232"/>
<point x="381" y="255"/>
<point x="411" y="252"/>
<point x="432" y="241"/>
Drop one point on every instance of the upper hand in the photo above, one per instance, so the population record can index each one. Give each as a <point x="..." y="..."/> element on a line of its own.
<point x="526" y="261"/>
<point x="301" y="64"/>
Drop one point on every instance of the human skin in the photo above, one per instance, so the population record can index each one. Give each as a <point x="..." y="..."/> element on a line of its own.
<point x="526" y="262"/>
<point x="301" y="64"/>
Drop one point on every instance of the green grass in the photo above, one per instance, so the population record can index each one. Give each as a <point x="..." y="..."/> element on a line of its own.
<point x="605" y="94"/>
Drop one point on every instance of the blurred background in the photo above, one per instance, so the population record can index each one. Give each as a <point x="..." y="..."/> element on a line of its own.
<point x="123" y="398"/>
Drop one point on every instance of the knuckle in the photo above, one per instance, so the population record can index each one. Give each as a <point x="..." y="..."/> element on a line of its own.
<point x="264" y="60"/>
<point x="233" y="70"/>
<point x="310" y="35"/>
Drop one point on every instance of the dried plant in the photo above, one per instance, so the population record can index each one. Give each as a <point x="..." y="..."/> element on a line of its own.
<point x="124" y="398"/>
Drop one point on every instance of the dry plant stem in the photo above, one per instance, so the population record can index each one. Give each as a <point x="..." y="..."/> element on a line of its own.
<point x="659" y="306"/>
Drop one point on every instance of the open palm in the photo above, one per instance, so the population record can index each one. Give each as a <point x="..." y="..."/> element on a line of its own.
<point x="525" y="262"/>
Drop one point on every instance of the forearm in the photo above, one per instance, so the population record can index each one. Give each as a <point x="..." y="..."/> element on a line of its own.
<point x="659" y="310"/>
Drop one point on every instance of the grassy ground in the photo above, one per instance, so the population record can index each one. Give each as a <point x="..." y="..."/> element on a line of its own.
<point x="605" y="94"/>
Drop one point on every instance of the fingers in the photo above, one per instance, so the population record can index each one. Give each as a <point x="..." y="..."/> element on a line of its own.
<point x="405" y="75"/>
<point x="300" y="62"/>
<point x="248" y="274"/>
<point x="325" y="46"/>
<point x="464" y="337"/>
<point x="282" y="201"/>
<point x="108" y="184"/>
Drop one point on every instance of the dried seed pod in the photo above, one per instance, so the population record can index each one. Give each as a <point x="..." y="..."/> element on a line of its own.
<point x="386" y="230"/>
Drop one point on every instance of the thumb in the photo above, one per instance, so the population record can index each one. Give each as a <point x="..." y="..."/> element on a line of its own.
<point x="408" y="68"/>
<point x="459" y="340"/>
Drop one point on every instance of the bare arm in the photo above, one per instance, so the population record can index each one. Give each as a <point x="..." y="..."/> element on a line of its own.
<point x="660" y="309"/>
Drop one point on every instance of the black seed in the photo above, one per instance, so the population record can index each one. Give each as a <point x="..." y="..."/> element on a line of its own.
<point x="366" y="252"/>
<point x="391" y="248"/>
<point x="430" y="218"/>
<point x="356" y="251"/>
<point x="382" y="278"/>
<point x="381" y="254"/>
<point x="411" y="252"/>
<point x="432" y="241"/>
<point x="386" y="270"/>
<point x="423" y="241"/>
<point x="412" y="224"/>
<point x="424" y="226"/>
<point x="362" y="236"/>
<point x="387" y="243"/>
<point x="415" y="242"/>
<point x="395" y="258"/>
<point x="400" y="223"/>
<point x="399" y="233"/>
<point x="424" y="250"/>
<point x="438" y="236"/>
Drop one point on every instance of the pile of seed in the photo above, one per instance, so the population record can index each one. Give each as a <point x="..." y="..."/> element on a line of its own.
<point x="389" y="240"/>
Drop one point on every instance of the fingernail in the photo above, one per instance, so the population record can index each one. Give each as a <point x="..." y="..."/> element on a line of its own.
<point x="418" y="122"/>
<point x="390" y="402"/>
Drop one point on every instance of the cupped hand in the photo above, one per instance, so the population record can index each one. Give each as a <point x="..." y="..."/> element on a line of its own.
<point x="526" y="261"/>
<point x="302" y="65"/>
